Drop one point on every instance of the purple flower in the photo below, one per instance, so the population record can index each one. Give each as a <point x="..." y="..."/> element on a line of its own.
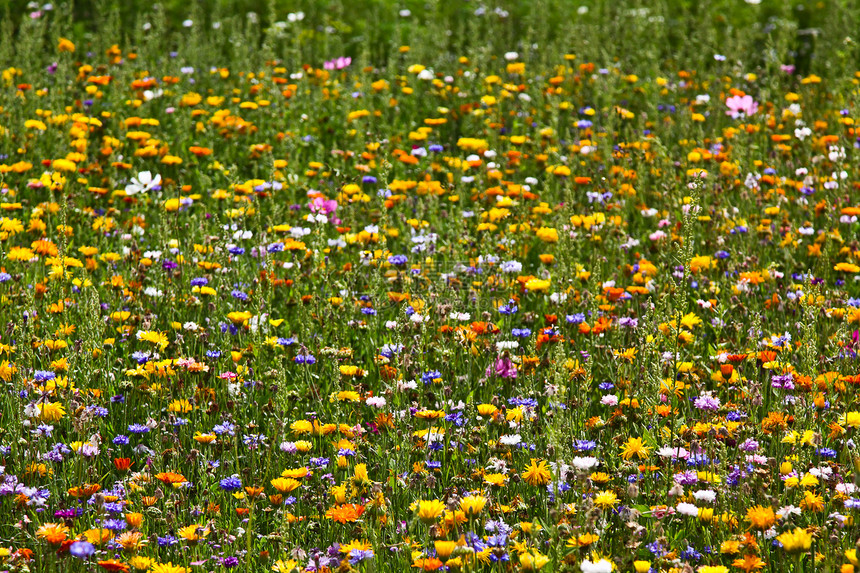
<point x="502" y="367"/>
<point x="785" y="381"/>
<point x="82" y="549"/>
<point x="750" y="445"/>
<point x="358" y="555"/>
<point x="706" y="402"/>
<point x="231" y="483"/>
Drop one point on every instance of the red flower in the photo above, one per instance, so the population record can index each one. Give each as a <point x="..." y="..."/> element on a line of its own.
<point x="114" y="565"/>
<point x="122" y="464"/>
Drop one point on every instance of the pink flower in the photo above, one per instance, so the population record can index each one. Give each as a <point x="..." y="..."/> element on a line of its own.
<point x="338" y="64"/>
<point x="741" y="105"/>
<point x="609" y="400"/>
<point x="322" y="205"/>
<point x="503" y="367"/>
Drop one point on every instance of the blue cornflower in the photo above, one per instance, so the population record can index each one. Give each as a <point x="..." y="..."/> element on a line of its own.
<point x="825" y="452"/>
<point x="231" y="483"/>
<point x="428" y="377"/>
<point x="114" y="524"/>
<point x="224" y="428"/>
<point x="43" y="375"/>
<point x="358" y="555"/>
<point x="584" y="445"/>
<point x="82" y="549"/>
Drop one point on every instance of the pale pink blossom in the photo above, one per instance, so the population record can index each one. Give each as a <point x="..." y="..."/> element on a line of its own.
<point x="738" y="105"/>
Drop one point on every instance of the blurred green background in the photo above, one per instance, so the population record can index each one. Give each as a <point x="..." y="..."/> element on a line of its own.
<point x="810" y="35"/>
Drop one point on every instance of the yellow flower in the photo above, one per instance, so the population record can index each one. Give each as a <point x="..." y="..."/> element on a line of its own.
<point x="473" y="504"/>
<point x="238" y="318"/>
<point x="547" y="234"/>
<point x="812" y="502"/>
<point x="796" y="541"/>
<point x="537" y="285"/>
<point x="605" y="499"/>
<point x="354" y="544"/>
<point x="285" y="485"/>
<point x="761" y="517"/>
<point x="168" y="567"/>
<point x="204" y="438"/>
<point x="154" y="337"/>
<point x="65" y="45"/>
<point x="338" y="492"/>
<point x="181" y="406"/>
<point x="537" y="473"/>
<point x="851" y="419"/>
<point x="495" y="479"/>
<point x="348" y="396"/>
<point x="690" y="320"/>
<point x="641" y="566"/>
<point x="193" y="533"/>
<point x="360" y="474"/>
<point x="634" y="447"/>
<point x="51" y="411"/>
<point x="701" y="263"/>
<point x="533" y="561"/>
<point x="301" y="427"/>
<point x="429" y="510"/>
<point x="97" y="536"/>
<point x="487" y="409"/>
<point x="140" y="562"/>
<point x="444" y="549"/>
<point x="282" y="566"/>
<point x="514" y="415"/>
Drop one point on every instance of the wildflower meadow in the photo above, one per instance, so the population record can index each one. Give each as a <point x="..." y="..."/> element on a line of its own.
<point x="385" y="286"/>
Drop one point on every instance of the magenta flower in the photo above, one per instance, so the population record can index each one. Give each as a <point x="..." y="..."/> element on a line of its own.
<point x="738" y="105"/>
<point x="338" y="64"/>
<point x="502" y="367"/>
<point x="321" y="205"/>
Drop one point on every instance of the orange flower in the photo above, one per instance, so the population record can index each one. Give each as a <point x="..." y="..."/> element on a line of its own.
<point x="346" y="513"/>
<point x="761" y="517"/>
<point x="749" y="563"/>
<point x="122" y="464"/>
<point x="170" y="477"/>
<point x="113" y="565"/>
<point x="85" y="490"/>
<point x="130" y="540"/>
<point x="53" y="532"/>
<point x="427" y="564"/>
